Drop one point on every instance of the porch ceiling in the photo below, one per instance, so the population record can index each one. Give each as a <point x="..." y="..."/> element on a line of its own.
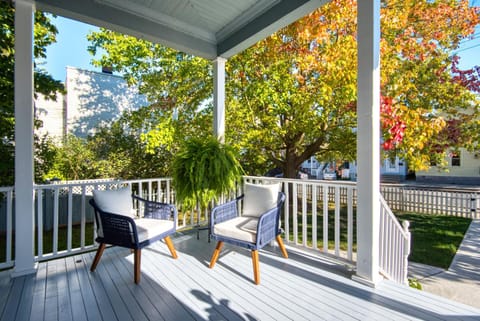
<point x="205" y="28"/>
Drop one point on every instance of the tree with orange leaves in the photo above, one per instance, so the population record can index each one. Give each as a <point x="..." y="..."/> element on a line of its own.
<point x="293" y="95"/>
<point x="297" y="89"/>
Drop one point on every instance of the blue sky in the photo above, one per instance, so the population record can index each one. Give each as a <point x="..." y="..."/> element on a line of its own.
<point x="71" y="48"/>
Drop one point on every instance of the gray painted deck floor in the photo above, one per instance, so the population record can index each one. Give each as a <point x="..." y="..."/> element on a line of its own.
<point x="303" y="287"/>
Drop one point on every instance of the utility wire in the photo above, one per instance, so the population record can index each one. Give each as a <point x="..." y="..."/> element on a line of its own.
<point x="463" y="49"/>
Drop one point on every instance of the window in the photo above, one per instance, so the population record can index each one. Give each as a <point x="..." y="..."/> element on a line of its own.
<point x="455" y="159"/>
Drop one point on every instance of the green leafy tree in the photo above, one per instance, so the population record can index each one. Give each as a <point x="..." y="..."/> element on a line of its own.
<point x="293" y="95"/>
<point x="44" y="33"/>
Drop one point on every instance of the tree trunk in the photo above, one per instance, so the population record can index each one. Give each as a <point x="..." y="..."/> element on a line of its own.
<point x="290" y="167"/>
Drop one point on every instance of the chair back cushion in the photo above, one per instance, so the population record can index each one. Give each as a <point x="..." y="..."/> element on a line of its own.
<point x="260" y="198"/>
<point x="115" y="201"/>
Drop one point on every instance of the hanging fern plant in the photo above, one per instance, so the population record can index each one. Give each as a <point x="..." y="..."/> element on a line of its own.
<point x="203" y="170"/>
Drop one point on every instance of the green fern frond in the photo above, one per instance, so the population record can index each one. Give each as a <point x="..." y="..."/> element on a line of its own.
<point x="203" y="170"/>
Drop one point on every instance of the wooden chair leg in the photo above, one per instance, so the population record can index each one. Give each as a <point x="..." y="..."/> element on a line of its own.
<point x="98" y="255"/>
<point x="256" y="266"/>
<point x="216" y="253"/>
<point x="282" y="246"/>
<point x="170" y="246"/>
<point x="137" y="254"/>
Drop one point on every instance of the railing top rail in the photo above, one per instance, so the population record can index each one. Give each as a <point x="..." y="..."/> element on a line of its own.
<point x="394" y="219"/>
<point x="463" y="189"/>
<point x="6" y="188"/>
<point x="306" y="181"/>
<point x="97" y="182"/>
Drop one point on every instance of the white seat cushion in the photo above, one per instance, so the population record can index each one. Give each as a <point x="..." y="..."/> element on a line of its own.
<point x="116" y="201"/>
<point x="149" y="227"/>
<point x="241" y="228"/>
<point x="259" y="198"/>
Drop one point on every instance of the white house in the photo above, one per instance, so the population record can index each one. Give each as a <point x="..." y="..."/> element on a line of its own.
<point x="390" y="170"/>
<point x="462" y="168"/>
<point x="92" y="99"/>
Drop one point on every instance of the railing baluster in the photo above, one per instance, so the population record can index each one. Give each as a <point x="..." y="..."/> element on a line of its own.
<point x="295" y="213"/>
<point x="286" y="189"/>
<point x="337" y="220"/>
<point x="55" y="220"/>
<point x="40" y="223"/>
<point x="9" y="234"/>
<point x="304" y="216"/>
<point x="325" y="218"/>
<point x="314" y="216"/>
<point x="82" y="218"/>
<point x="349" y="223"/>
<point x="69" y="219"/>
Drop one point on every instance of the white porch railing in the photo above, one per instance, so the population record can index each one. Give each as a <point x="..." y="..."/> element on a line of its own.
<point x="65" y="223"/>
<point x="394" y="245"/>
<point x="318" y="215"/>
<point x="321" y="216"/>
<point x="436" y="200"/>
<point x="6" y="227"/>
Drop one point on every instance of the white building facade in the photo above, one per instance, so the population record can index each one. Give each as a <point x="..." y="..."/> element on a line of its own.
<point x="92" y="99"/>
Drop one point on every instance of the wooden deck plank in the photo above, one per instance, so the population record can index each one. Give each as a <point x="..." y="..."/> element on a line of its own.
<point x="11" y="306"/>
<point x="5" y="284"/>
<point x="103" y="297"/>
<point x="318" y="277"/>
<point x="51" y="292"/>
<point x="214" y="290"/>
<point x="236" y="280"/>
<point x="238" y="262"/>
<point x="302" y="287"/>
<point x="38" y="300"/>
<point x="167" y="306"/>
<point x="229" y="284"/>
<point x="122" y="287"/>
<point x="64" y="303"/>
<point x="88" y="295"/>
<point x="77" y="304"/>
<point x="289" y="291"/>
<point x="111" y="305"/>
<point x="327" y="305"/>
<point x="25" y="302"/>
<point x="137" y="292"/>
<point x="236" y="267"/>
<point x="172" y="278"/>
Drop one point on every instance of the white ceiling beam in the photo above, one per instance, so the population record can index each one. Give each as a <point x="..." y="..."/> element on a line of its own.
<point x="280" y="15"/>
<point x="92" y="12"/>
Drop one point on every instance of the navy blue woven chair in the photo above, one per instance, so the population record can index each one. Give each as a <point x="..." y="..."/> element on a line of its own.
<point x="119" y="227"/>
<point x="252" y="230"/>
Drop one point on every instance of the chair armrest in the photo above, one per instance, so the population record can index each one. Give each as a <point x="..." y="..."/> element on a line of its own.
<point x="268" y="223"/>
<point x="267" y="228"/>
<point x="157" y="210"/>
<point x="224" y="212"/>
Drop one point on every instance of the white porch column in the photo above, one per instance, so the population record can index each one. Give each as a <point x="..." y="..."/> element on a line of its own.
<point x="368" y="142"/>
<point x="219" y="98"/>
<point x="24" y="179"/>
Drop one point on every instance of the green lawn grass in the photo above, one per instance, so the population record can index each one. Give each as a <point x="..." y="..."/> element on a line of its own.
<point x="435" y="238"/>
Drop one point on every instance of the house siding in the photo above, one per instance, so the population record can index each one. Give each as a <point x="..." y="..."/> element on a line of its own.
<point x="467" y="173"/>
<point x="92" y="99"/>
